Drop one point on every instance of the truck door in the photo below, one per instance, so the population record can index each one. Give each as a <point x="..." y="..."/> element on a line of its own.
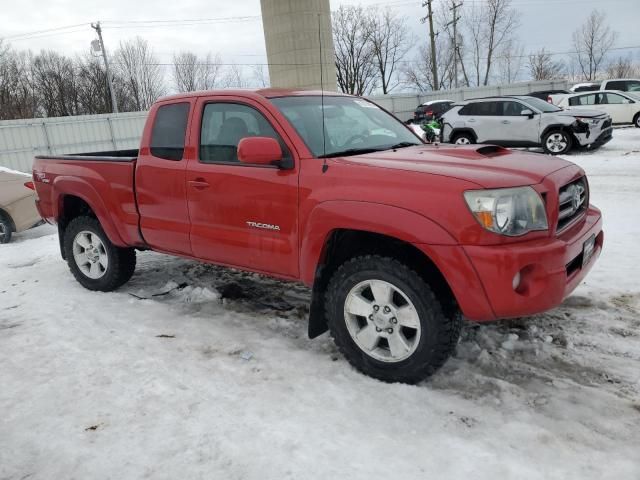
<point x="160" y="179"/>
<point x="241" y="215"/>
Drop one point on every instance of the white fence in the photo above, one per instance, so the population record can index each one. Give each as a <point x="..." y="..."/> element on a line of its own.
<point x="403" y="105"/>
<point x="21" y="140"/>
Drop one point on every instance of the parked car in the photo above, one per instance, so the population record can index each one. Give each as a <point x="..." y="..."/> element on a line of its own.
<point x="547" y="94"/>
<point x="397" y="239"/>
<point x="585" y="87"/>
<point x="522" y="121"/>
<point x="430" y="110"/>
<point x="623" y="107"/>
<point x="622" y="84"/>
<point x="17" y="204"/>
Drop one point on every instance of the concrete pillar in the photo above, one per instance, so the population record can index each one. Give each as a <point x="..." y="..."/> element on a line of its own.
<point x="293" y="47"/>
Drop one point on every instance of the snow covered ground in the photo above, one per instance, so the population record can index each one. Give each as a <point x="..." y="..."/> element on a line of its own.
<point x="191" y="371"/>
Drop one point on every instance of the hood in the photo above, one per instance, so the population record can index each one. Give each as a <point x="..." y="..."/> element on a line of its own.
<point x="578" y="112"/>
<point x="488" y="166"/>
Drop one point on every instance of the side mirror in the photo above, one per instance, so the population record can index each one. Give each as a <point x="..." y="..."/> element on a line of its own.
<point x="259" y="151"/>
<point x="527" y="113"/>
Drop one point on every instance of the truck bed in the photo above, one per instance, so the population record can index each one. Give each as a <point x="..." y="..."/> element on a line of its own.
<point x="103" y="179"/>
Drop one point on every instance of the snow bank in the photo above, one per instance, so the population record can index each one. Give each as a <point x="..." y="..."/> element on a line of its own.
<point x="193" y="371"/>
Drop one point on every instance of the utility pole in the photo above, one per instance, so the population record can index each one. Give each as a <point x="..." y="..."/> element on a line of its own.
<point x="455" y="7"/>
<point x="98" y="29"/>
<point x="432" y="35"/>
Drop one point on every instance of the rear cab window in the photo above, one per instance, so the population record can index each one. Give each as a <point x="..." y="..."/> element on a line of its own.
<point x="169" y="130"/>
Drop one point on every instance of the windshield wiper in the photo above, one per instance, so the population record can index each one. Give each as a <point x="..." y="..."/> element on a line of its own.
<point x="349" y="151"/>
<point x="402" y="145"/>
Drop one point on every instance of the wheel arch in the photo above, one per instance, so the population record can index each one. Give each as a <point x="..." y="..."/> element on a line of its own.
<point x="457" y="131"/>
<point x="5" y="214"/>
<point x="344" y="244"/>
<point x="79" y="197"/>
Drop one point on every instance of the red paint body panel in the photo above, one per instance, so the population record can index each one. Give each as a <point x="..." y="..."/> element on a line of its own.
<point x="277" y="221"/>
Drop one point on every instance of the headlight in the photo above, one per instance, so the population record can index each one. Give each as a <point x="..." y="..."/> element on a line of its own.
<point x="508" y="211"/>
<point x="590" y="121"/>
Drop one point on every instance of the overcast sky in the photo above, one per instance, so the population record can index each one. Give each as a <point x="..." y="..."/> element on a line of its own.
<point x="544" y="23"/>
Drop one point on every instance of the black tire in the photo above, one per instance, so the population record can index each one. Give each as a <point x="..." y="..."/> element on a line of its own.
<point x="636" y="120"/>
<point x="462" y="136"/>
<point x="121" y="261"/>
<point x="566" y="140"/>
<point x="6" y="229"/>
<point x="439" y="332"/>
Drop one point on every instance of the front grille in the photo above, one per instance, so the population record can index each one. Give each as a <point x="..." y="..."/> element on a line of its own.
<point x="573" y="202"/>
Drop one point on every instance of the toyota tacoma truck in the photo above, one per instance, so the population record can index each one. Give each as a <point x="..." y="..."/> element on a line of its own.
<point x="398" y="240"/>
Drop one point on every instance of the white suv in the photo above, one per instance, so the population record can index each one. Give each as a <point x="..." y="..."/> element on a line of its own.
<point x="521" y="121"/>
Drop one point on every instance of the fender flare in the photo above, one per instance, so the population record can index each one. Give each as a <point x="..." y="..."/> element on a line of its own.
<point x="395" y="222"/>
<point x="63" y="186"/>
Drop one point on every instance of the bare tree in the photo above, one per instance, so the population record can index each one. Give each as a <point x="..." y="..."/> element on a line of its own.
<point x="391" y="41"/>
<point x="17" y="96"/>
<point x="542" y="66"/>
<point x="419" y="74"/>
<point x="235" y="77"/>
<point x="622" y="68"/>
<point x="592" y="41"/>
<point x="140" y="72"/>
<point x="93" y="91"/>
<point x="355" y="55"/>
<point x="509" y="60"/>
<point x="489" y="26"/>
<point x="191" y="73"/>
<point x="56" y="85"/>
<point x="261" y="76"/>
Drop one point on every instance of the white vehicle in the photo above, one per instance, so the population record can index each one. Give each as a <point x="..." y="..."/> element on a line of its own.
<point x="585" y="87"/>
<point x="622" y="84"/>
<point x="623" y="107"/>
<point x="522" y="121"/>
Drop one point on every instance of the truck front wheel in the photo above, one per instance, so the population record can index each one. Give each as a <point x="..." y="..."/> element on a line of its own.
<point x="387" y="321"/>
<point x="95" y="262"/>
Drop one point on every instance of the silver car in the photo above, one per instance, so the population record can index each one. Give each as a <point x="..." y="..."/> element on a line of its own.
<point x="521" y="121"/>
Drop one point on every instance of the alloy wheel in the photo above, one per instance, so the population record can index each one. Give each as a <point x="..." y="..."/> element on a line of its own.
<point x="557" y="143"/>
<point x="382" y="321"/>
<point x="90" y="255"/>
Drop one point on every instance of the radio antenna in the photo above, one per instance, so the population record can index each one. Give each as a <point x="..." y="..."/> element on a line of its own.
<point x="325" y="166"/>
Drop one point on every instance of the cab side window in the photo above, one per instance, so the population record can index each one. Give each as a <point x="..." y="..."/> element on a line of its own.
<point x="583" y="100"/>
<point x="611" y="99"/>
<point x="169" y="130"/>
<point x="512" y="109"/>
<point x="225" y="124"/>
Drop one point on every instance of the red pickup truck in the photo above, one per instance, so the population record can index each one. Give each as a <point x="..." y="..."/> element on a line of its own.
<point x="398" y="240"/>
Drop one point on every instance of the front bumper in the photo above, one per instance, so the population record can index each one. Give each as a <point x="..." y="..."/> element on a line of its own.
<point x="550" y="269"/>
<point x="594" y="136"/>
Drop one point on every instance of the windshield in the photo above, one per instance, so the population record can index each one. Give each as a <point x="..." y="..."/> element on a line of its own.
<point x="540" y="105"/>
<point x="352" y="125"/>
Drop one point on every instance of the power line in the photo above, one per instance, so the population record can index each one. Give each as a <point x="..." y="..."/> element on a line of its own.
<point x="66" y="27"/>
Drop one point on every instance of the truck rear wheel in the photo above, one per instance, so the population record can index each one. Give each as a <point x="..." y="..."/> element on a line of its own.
<point x="95" y="262"/>
<point x="387" y="321"/>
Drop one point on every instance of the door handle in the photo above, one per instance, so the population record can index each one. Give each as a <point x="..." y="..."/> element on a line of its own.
<point x="506" y="121"/>
<point x="471" y="120"/>
<point x="199" y="184"/>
